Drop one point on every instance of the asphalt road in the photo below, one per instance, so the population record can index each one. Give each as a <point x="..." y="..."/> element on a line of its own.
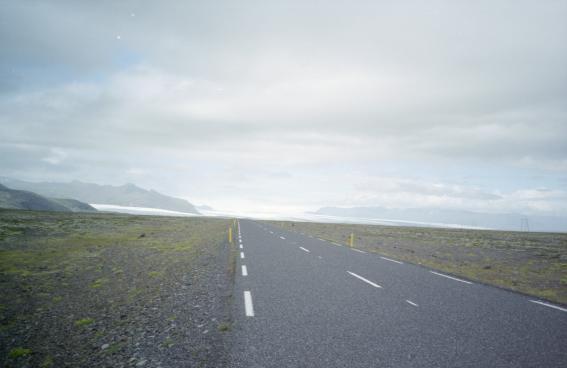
<point x="305" y="302"/>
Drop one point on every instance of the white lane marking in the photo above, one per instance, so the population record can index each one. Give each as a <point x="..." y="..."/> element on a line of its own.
<point x="320" y="257"/>
<point x="320" y="239"/>
<point x="271" y="232"/>
<point x="359" y="251"/>
<point x="281" y="237"/>
<point x="450" y="277"/>
<point x="337" y="244"/>
<point x="549" y="305"/>
<point x="391" y="260"/>
<point x="242" y="255"/>
<point x="365" y="280"/>
<point x="305" y="250"/>
<point x="240" y="245"/>
<point x="248" y="304"/>
<point x="244" y="270"/>
<point x="412" y="303"/>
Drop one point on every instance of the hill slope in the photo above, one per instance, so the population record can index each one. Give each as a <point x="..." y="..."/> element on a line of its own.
<point x="125" y="195"/>
<point x="24" y="200"/>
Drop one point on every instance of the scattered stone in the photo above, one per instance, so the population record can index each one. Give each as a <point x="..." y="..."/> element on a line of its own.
<point x="105" y="346"/>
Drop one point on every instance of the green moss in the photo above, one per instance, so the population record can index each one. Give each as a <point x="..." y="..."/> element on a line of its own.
<point x="47" y="362"/>
<point x="84" y="322"/>
<point x="224" y="326"/>
<point x="99" y="283"/>
<point x="19" y="352"/>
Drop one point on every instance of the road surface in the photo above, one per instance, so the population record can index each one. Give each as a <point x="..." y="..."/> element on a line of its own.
<point x="305" y="302"/>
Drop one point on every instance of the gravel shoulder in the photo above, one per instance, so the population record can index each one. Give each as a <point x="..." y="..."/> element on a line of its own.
<point x="530" y="263"/>
<point x="109" y="290"/>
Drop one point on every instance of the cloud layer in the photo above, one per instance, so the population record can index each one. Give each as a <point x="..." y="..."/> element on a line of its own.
<point x="292" y="105"/>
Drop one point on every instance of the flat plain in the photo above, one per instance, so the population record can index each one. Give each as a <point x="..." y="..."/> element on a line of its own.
<point x="85" y="290"/>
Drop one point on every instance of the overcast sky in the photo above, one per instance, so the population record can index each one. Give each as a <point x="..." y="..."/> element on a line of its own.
<point x="287" y="106"/>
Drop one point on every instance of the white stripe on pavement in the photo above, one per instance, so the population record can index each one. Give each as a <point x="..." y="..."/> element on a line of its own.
<point x="281" y="237"/>
<point x="451" y="277"/>
<point x="248" y="304"/>
<point x="358" y="250"/>
<point x="244" y="271"/>
<point x="240" y="245"/>
<point x="242" y="255"/>
<point x="365" y="280"/>
<point x="549" y="305"/>
<point x="305" y="250"/>
<point x="391" y="260"/>
<point x="412" y="303"/>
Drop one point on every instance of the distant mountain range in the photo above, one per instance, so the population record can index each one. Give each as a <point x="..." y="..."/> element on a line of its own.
<point x="457" y="217"/>
<point x="128" y="195"/>
<point x="24" y="200"/>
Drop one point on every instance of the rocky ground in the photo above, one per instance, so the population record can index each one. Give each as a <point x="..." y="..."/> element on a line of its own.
<point x="531" y="263"/>
<point x="106" y="290"/>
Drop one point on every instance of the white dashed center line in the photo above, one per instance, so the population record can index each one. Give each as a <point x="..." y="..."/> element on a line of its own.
<point x="412" y="303"/>
<point x="391" y="260"/>
<point x="242" y="255"/>
<point x="549" y="305"/>
<point x="240" y="245"/>
<point x="305" y="250"/>
<point x="365" y="280"/>
<point x="281" y="237"/>
<point x="451" y="277"/>
<point x="248" y="304"/>
<point x="244" y="271"/>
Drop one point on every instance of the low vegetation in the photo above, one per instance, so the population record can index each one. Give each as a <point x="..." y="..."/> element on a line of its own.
<point x="531" y="263"/>
<point x="86" y="290"/>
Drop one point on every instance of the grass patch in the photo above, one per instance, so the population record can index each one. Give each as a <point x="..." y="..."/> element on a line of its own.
<point x="19" y="352"/>
<point x="84" y="322"/>
<point x="224" y="326"/>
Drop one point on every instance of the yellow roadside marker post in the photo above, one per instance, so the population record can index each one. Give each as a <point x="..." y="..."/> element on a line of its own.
<point x="351" y="240"/>
<point x="230" y="234"/>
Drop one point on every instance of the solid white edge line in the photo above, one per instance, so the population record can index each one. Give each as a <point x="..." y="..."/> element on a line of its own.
<point x="412" y="303"/>
<point x="248" y="306"/>
<point x="305" y="250"/>
<point x="365" y="280"/>
<point x="337" y="244"/>
<point x="451" y="277"/>
<point x="244" y="270"/>
<point x="320" y="239"/>
<point x="359" y="251"/>
<point x="391" y="260"/>
<point x="549" y="305"/>
<point x="242" y="255"/>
